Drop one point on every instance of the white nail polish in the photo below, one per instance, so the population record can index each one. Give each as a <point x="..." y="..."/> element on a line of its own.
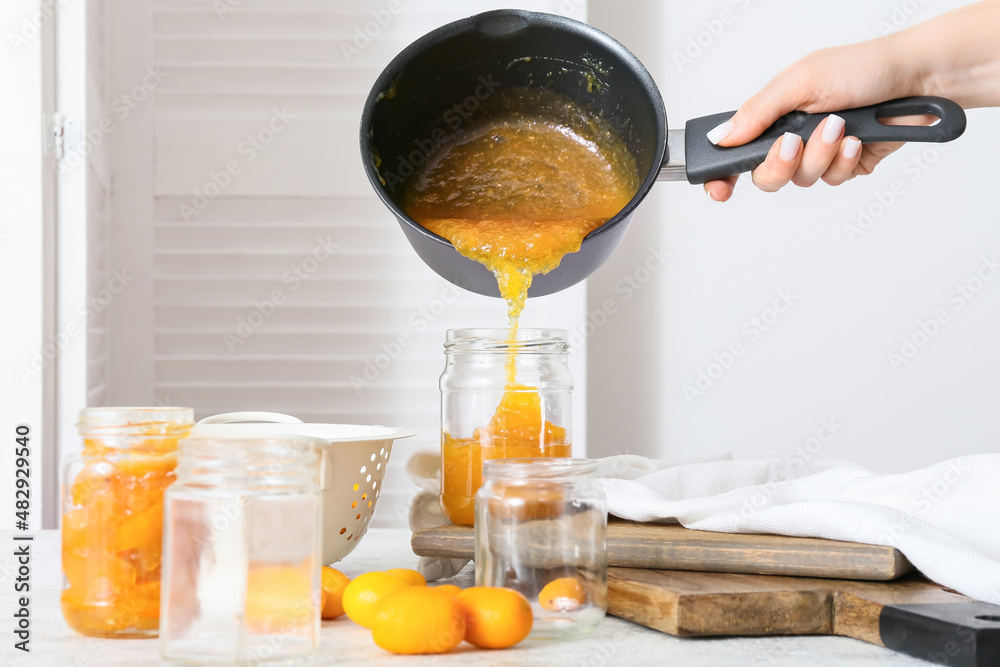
<point x="831" y="130"/>
<point x="720" y="132"/>
<point x="851" y="147"/>
<point x="790" y="143"/>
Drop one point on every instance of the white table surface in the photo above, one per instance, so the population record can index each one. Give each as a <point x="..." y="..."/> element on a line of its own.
<point x="614" y="642"/>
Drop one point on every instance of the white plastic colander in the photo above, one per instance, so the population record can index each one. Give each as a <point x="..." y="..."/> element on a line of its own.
<point x="351" y="462"/>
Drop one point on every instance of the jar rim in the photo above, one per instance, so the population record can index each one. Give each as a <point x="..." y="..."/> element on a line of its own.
<point x="261" y="461"/>
<point x="210" y="447"/>
<point x="539" y="468"/>
<point x="148" y="421"/>
<point x="506" y="340"/>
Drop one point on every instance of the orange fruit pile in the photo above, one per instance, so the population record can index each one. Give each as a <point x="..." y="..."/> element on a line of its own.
<point x="405" y="615"/>
<point x="408" y="617"/>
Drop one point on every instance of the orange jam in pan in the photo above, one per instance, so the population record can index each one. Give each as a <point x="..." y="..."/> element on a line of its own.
<point x="522" y="183"/>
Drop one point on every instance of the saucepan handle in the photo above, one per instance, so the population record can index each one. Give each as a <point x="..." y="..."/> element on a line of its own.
<point x="705" y="161"/>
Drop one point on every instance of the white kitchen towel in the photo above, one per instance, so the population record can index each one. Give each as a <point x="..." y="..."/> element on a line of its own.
<point x="945" y="518"/>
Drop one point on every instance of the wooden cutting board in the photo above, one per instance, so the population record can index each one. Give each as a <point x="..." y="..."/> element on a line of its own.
<point x="912" y="615"/>
<point x="673" y="547"/>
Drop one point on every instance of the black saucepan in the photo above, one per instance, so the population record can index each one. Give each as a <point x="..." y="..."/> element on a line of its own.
<point x="423" y="96"/>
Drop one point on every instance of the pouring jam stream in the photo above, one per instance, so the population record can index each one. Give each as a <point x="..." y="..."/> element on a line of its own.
<point x="516" y="189"/>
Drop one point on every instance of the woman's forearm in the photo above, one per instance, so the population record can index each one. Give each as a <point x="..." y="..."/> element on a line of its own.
<point x="957" y="54"/>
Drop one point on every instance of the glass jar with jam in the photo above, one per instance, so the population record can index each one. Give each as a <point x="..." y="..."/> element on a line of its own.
<point x="112" y="518"/>
<point x="242" y="548"/>
<point x="541" y="529"/>
<point x="505" y="393"/>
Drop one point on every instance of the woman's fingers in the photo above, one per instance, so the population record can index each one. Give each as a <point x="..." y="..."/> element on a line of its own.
<point x="820" y="151"/>
<point x="722" y="189"/>
<point x="782" y="161"/>
<point x="842" y="167"/>
<point x="781" y="95"/>
<point x="828" y="155"/>
<point x="789" y="161"/>
<point x="840" y="163"/>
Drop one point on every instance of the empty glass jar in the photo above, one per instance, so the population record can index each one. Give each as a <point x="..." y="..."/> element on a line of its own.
<point x="112" y="518"/>
<point x="505" y="393"/>
<point x="541" y="528"/>
<point x="242" y="551"/>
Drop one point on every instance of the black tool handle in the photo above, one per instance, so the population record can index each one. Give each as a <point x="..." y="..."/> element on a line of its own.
<point x="960" y="634"/>
<point x="706" y="161"/>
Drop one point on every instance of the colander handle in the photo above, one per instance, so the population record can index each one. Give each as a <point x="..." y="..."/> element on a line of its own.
<point x="231" y="417"/>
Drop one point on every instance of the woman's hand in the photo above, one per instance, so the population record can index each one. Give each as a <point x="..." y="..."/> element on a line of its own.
<point x="965" y="67"/>
<point x="839" y="78"/>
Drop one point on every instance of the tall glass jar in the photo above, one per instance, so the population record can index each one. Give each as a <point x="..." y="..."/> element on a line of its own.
<point x="505" y="393"/>
<point x="112" y="518"/>
<point x="242" y="547"/>
<point x="541" y="527"/>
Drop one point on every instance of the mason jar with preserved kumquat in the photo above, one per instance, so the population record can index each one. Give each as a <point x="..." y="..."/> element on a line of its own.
<point x="505" y="393"/>
<point x="112" y="518"/>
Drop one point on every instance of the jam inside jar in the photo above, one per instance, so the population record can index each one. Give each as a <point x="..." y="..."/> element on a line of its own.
<point x="112" y="518"/>
<point x="505" y="393"/>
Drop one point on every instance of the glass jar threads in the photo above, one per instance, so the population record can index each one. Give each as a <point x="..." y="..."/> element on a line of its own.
<point x="112" y="518"/>
<point x="242" y="551"/>
<point x="505" y="393"/>
<point x="541" y="528"/>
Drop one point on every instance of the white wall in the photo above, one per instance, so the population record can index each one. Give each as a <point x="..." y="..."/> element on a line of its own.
<point x="827" y="357"/>
<point x="26" y="353"/>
